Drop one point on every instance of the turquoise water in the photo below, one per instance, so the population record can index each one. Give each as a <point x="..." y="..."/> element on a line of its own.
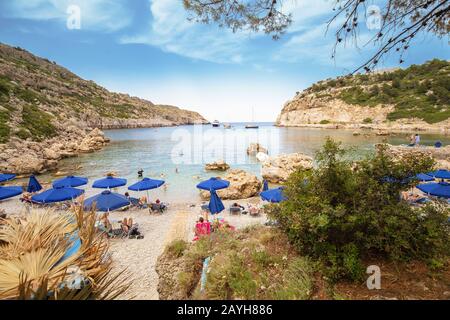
<point x="160" y="151"/>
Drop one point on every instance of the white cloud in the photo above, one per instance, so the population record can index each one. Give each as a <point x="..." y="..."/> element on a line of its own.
<point x="97" y="15"/>
<point x="171" y="31"/>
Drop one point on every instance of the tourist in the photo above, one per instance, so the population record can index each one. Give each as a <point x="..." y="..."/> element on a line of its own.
<point x="140" y="173"/>
<point x="127" y="195"/>
<point x="417" y="139"/>
<point x="143" y="200"/>
<point x="412" y="141"/>
<point x="237" y="205"/>
<point x="202" y="228"/>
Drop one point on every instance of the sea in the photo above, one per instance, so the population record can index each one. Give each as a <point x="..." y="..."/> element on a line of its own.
<point x="178" y="155"/>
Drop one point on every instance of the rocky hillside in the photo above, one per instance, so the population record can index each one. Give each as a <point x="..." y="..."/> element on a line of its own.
<point x="43" y="104"/>
<point x="416" y="98"/>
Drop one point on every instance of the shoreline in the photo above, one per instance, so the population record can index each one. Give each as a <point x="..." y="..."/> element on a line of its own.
<point x="354" y="126"/>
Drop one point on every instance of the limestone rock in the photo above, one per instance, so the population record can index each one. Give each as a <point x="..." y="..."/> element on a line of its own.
<point x="254" y="148"/>
<point x="277" y="169"/>
<point x="243" y="185"/>
<point x="219" y="165"/>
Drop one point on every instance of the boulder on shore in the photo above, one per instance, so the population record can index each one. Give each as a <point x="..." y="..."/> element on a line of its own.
<point x="277" y="169"/>
<point x="255" y="148"/>
<point x="219" y="165"/>
<point x="243" y="185"/>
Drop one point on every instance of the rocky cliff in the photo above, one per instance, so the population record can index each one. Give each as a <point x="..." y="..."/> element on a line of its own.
<point x="417" y="98"/>
<point x="47" y="112"/>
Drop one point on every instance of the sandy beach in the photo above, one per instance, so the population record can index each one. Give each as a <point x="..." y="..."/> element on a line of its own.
<point x="139" y="257"/>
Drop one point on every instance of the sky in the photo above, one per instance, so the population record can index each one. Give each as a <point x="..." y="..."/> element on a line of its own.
<point x="149" y="49"/>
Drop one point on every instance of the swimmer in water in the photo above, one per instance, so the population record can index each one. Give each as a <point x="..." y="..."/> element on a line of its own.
<point x="140" y="173"/>
<point x="176" y="170"/>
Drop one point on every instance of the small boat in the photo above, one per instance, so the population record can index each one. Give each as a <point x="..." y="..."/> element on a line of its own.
<point x="252" y="126"/>
<point x="215" y="123"/>
<point x="227" y="126"/>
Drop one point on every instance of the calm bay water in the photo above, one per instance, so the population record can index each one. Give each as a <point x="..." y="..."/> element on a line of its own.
<point x="160" y="152"/>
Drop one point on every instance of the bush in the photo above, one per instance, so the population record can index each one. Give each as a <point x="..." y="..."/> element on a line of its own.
<point x="176" y="248"/>
<point x="324" y="122"/>
<point x="367" y="120"/>
<point x="4" y="127"/>
<point x="37" y="122"/>
<point x="346" y="213"/>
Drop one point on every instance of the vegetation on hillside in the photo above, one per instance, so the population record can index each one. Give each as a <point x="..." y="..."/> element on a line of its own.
<point x="342" y="213"/>
<point x="420" y="91"/>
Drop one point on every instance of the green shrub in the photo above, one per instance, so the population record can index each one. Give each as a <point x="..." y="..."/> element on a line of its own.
<point x="176" y="248"/>
<point x="4" y="127"/>
<point x="37" y="122"/>
<point x="297" y="281"/>
<point x="367" y="120"/>
<point x="324" y="122"/>
<point x="345" y="213"/>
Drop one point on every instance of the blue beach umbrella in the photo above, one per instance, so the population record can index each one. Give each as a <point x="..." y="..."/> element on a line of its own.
<point x="424" y="177"/>
<point x="440" y="174"/>
<point x="146" y="184"/>
<point x="213" y="184"/>
<point x="440" y="189"/>
<point x="9" y="192"/>
<point x="6" y="177"/>
<point x="215" y="204"/>
<point x="33" y="185"/>
<point x="265" y="185"/>
<point x="57" y="195"/>
<point x="106" y="201"/>
<point x="109" y="182"/>
<point x="70" y="181"/>
<point x="273" y="195"/>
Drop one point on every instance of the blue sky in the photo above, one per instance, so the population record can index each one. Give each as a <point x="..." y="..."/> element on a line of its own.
<point x="147" y="48"/>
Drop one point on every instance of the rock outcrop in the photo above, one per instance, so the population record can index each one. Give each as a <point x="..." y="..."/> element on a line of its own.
<point x="243" y="185"/>
<point x="219" y="165"/>
<point x="48" y="113"/>
<point x="255" y="148"/>
<point x="380" y="101"/>
<point x="25" y="157"/>
<point x="441" y="155"/>
<point x="277" y="169"/>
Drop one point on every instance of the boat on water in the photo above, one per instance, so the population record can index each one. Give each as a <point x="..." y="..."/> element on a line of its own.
<point x="252" y="125"/>
<point x="215" y="123"/>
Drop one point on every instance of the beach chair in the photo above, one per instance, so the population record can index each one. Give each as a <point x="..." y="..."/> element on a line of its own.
<point x="158" y="207"/>
<point x="205" y="207"/>
<point x="235" y="210"/>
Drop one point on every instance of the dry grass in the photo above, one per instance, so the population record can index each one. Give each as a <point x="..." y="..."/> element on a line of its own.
<point x="31" y="250"/>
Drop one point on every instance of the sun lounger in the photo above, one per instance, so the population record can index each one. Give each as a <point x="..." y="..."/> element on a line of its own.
<point x="205" y="207"/>
<point x="158" y="207"/>
<point x="235" y="210"/>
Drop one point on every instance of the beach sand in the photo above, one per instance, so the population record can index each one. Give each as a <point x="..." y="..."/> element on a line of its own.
<point x="139" y="257"/>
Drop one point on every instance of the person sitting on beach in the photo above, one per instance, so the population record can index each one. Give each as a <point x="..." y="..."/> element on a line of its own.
<point x="127" y="195"/>
<point x="143" y="200"/>
<point x="417" y="139"/>
<point x="237" y="205"/>
<point x="253" y="210"/>
<point x="202" y="228"/>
